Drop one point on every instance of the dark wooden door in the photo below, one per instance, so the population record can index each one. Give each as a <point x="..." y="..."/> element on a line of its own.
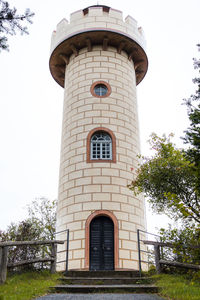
<point x="102" y="244"/>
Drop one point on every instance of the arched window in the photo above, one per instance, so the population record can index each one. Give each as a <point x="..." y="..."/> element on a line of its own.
<point x="101" y="145"/>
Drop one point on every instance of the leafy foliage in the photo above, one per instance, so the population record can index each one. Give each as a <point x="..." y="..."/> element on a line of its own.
<point x="40" y="225"/>
<point x="186" y="241"/>
<point x="11" y="22"/>
<point x="192" y="134"/>
<point x="171" y="179"/>
<point x="42" y="213"/>
<point x="22" y="231"/>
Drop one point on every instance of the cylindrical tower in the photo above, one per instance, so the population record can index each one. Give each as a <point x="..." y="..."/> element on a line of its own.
<point x="99" y="59"/>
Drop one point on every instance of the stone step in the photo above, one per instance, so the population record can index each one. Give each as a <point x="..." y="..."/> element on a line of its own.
<point x="94" y="274"/>
<point x="104" y="280"/>
<point x="122" y="288"/>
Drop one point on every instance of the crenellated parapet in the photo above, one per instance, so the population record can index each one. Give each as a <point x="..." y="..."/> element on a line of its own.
<point x="97" y="25"/>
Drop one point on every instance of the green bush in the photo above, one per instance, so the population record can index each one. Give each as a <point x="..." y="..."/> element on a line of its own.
<point x="183" y="239"/>
<point x="40" y="225"/>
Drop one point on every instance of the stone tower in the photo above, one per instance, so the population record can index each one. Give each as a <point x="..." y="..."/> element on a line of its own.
<point x="99" y="58"/>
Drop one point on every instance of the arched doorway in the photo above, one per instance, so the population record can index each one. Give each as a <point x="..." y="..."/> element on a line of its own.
<point x="110" y="215"/>
<point x="101" y="243"/>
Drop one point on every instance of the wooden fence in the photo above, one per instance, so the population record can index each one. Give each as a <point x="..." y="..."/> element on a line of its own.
<point x="159" y="262"/>
<point x="4" y="255"/>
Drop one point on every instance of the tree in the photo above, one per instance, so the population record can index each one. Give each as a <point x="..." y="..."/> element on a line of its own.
<point x="41" y="219"/>
<point x="42" y="212"/>
<point x="192" y="134"/>
<point x="40" y="225"/>
<point x="186" y="241"/>
<point x="22" y="231"/>
<point x="11" y="21"/>
<point x="171" y="179"/>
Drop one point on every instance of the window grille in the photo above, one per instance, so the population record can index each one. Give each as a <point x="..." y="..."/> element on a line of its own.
<point x="101" y="146"/>
<point x="100" y="90"/>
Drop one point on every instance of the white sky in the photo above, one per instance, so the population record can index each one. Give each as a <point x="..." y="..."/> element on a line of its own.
<point x="31" y="101"/>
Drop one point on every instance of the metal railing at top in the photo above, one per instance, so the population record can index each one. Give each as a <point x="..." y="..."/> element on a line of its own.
<point x="66" y="250"/>
<point x="140" y="251"/>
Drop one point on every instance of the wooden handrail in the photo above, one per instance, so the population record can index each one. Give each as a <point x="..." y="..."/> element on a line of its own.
<point x="27" y="243"/>
<point x="31" y="261"/>
<point x="178" y="264"/>
<point x="170" y="245"/>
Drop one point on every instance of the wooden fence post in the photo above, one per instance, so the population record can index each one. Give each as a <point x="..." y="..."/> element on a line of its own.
<point x="0" y="264"/>
<point x="3" y="263"/>
<point x="54" y="255"/>
<point x="157" y="258"/>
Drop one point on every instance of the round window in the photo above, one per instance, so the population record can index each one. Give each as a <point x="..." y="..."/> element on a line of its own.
<point x="100" y="89"/>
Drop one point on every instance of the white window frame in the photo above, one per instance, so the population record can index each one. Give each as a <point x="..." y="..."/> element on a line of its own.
<point x="101" y="144"/>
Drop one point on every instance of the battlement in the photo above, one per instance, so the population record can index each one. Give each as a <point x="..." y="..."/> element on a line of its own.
<point x="97" y="17"/>
<point x="97" y="26"/>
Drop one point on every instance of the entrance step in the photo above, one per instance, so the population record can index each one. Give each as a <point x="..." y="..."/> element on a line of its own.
<point x="105" y="282"/>
<point x="106" y="274"/>
<point x="122" y="288"/>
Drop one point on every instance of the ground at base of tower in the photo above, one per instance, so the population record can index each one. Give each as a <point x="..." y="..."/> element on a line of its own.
<point x="100" y="297"/>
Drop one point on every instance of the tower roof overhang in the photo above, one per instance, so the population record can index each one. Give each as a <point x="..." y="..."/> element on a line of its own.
<point x="72" y="44"/>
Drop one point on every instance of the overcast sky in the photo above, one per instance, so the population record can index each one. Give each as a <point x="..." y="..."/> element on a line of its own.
<point x="31" y="101"/>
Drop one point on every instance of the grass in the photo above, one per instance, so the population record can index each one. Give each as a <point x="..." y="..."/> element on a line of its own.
<point x="28" y="285"/>
<point x="178" y="287"/>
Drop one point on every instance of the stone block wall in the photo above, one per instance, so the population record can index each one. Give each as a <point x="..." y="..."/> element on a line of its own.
<point x="88" y="187"/>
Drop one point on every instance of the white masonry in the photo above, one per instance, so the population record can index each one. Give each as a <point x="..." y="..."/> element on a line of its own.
<point x="99" y="58"/>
